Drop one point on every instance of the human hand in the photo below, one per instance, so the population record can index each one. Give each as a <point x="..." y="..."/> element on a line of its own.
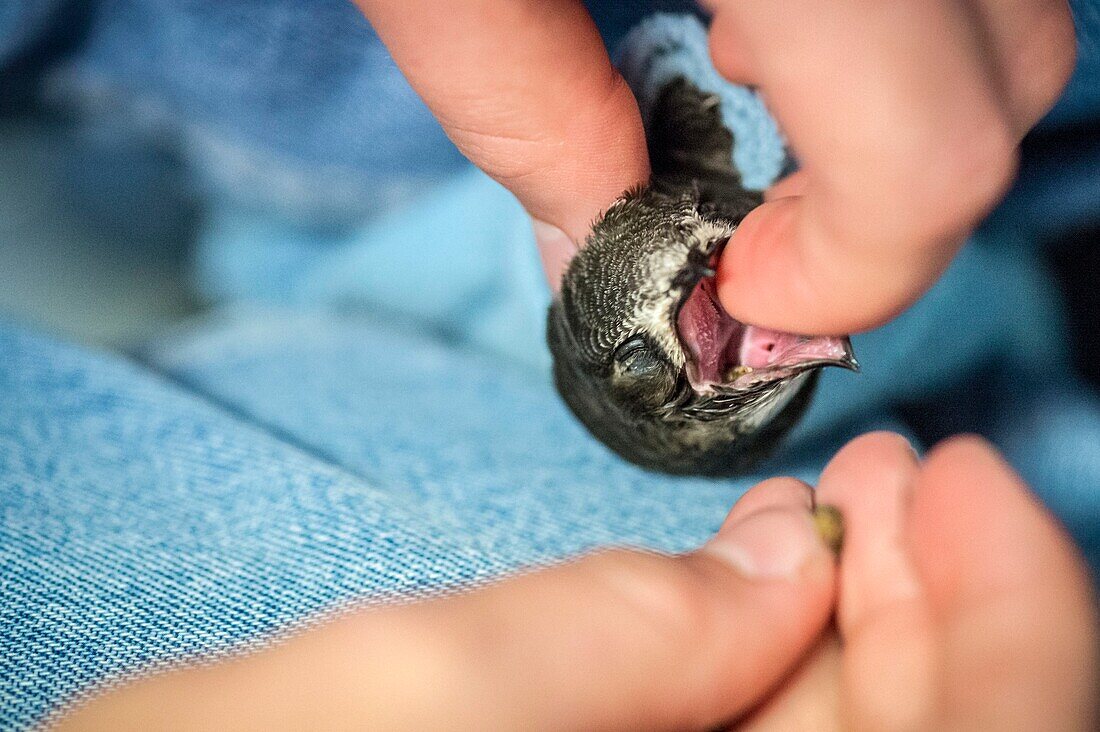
<point x="962" y="604"/>
<point x="905" y="117"/>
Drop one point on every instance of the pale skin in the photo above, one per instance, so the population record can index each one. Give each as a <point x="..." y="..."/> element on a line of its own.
<point x="959" y="604"/>
<point x="957" y="601"/>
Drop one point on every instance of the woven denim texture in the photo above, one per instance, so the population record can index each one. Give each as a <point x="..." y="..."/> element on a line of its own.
<point x="368" y="417"/>
<point x="143" y="524"/>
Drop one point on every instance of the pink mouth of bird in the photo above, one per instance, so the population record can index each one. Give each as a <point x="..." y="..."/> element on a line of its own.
<point x="723" y="351"/>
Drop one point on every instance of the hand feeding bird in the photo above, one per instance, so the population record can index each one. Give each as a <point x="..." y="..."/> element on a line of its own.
<point x="644" y="353"/>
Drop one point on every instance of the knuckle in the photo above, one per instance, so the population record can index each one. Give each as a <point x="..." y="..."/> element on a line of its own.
<point x="873" y="443"/>
<point x="660" y="591"/>
<point x="1054" y="54"/>
<point x="507" y="159"/>
<point x="973" y="170"/>
<point x="1037" y="58"/>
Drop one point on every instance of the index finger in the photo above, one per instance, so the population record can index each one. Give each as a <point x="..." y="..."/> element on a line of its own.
<point x="527" y="92"/>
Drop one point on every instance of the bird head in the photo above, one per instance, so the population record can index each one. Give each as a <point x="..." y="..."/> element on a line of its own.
<point x="649" y="360"/>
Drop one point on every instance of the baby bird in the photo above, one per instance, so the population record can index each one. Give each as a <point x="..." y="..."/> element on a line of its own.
<point x="644" y="354"/>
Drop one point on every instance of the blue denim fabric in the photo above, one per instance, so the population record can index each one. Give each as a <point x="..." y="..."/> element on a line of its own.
<point x="339" y="460"/>
<point x="369" y="414"/>
<point x="142" y="524"/>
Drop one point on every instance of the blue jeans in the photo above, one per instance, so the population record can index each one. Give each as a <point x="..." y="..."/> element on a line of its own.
<point x="366" y="412"/>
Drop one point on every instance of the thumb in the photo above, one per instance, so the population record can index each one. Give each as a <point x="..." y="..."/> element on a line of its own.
<point x="783" y="268"/>
<point x="627" y="639"/>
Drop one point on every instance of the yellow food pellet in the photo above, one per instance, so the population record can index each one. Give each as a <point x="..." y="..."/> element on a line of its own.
<point x="737" y="372"/>
<point x="830" y="526"/>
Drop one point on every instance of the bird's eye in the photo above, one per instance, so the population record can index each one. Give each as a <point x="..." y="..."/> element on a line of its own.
<point x="636" y="358"/>
<point x="641" y="377"/>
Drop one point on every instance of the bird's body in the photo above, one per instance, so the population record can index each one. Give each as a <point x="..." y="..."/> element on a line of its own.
<point x="644" y="354"/>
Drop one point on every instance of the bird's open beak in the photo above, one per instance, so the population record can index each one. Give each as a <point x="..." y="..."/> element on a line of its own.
<point x="788" y="355"/>
<point x="805" y="352"/>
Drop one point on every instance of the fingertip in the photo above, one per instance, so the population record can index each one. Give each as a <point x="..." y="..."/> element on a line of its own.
<point x="870" y="482"/>
<point x="977" y="527"/>
<point x="605" y="154"/>
<point x="556" y="250"/>
<point x="761" y="277"/>
<point x="727" y="52"/>
<point x="778" y="271"/>
<point x="787" y="267"/>
<point x="879" y="458"/>
<point x="781" y="492"/>
<point x="794" y="184"/>
<point x="774" y="543"/>
<point x="967" y="446"/>
<point x="882" y="614"/>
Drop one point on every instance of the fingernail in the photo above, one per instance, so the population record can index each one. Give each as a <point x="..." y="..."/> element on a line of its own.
<point x="556" y="250"/>
<point x="913" y="449"/>
<point x="769" y="544"/>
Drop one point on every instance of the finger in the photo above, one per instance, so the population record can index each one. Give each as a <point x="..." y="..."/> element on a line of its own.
<point x="616" y="640"/>
<point x="526" y="91"/>
<point x="729" y="56"/>
<point x="882" y="615"/>
<point x="556" y="250"/>
<point x="1033" y="45"/>
<point x="870" y="482"/>
<point x="772" y="493"/>
<point x="1010" y="592"/>
<point x="905" y="149"/>
<point x="877" y="674"/>
<point x="794" y="184"/>
<point x="809" y="699"/>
